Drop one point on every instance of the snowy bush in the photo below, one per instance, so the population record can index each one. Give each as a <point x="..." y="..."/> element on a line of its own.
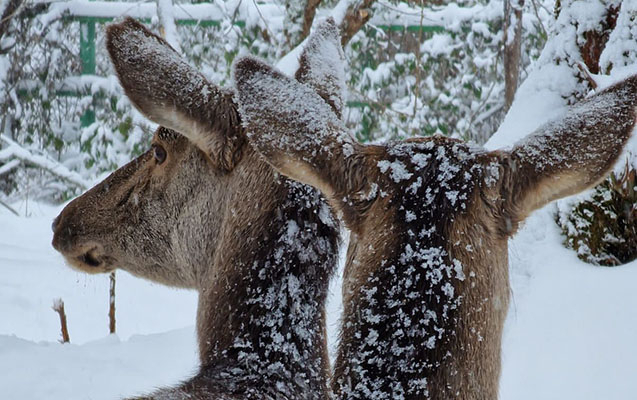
<point x="45" y="99"/>
<point x="444" y="78"/>
<point x="599" y="37"/>
<point x="603" y="228"/>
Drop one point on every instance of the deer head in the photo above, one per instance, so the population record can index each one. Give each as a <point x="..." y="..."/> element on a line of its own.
<point x="426" y="281"/>
<point x="201" y="210"/>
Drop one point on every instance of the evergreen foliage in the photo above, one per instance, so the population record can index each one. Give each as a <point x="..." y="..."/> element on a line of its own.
<point x="603" y="228"/>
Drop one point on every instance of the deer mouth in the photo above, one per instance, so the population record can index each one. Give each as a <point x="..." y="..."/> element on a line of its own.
<point x="90" y="258"/>
<point x="92" y="261"/>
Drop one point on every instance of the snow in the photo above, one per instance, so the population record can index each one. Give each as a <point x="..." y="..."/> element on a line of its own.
<point x="439" y="44"/>
<point x="450" y="16"/>
<point x="85" y="8"/>
<point x="107" y="368"/>
<point x="289" y="63"/>
<point x="398" y="170"/>
<point x="571" y="327"/>
<point x="155" y="344"/>
<point x="620" y="48"/>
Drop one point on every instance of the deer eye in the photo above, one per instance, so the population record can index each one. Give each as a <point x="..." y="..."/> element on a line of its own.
<point x="159" y="153"/>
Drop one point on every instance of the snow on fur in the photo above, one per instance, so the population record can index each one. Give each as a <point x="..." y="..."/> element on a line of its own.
<point x="323" y="52"/>
<point x="272" y="103"/>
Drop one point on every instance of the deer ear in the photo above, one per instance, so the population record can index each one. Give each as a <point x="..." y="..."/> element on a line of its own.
<point x="171" y="93"/>
<point x="321" y="65"/>
<point x="573" y="153"/>
<point x="293" y="127"/>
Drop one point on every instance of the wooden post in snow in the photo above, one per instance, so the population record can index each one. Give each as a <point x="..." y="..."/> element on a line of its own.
<point x="111" y="307"/>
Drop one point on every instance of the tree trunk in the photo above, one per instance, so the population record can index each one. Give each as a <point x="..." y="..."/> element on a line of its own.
<point x="512" y="48"/>
<point x="308" y="17"/>
<point x="357" y="15"/>
<point x="596" y="40"/>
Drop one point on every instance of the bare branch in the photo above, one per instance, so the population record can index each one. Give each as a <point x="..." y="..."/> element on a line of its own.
<point x="587" y="75"/>
<point x="512" y="48"/>
<point x="8" y="207"/>
<point x="10" y="10"/>
<point x="356" y="16"/>
<point x="58" y="307"/>
<point x="596" y="39"/>
<point x="111" y="306"/>
<point x="308" y="17"/>
<point x="14" y="150"/>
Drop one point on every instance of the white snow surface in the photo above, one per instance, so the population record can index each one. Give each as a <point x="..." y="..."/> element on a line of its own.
<point x="155" y="344"/>
<point x="570" y="333"/>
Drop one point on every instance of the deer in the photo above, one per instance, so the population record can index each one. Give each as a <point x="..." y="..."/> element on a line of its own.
<point x="201" y="210"/>
<point x="425" y="286"/>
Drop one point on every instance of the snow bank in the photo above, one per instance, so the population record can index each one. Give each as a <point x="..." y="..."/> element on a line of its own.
<point x="571" y="329"/>
<point x="104" y="369"/>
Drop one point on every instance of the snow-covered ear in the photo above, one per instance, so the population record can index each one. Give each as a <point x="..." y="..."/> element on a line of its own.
<point x="296" y="131"/>
<point x="321" y="65"/>
<point x="573" y="153"/>
<point x="170" y="92"/>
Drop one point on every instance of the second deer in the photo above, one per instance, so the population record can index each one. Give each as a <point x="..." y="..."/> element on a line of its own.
<point x="426" y="287"/>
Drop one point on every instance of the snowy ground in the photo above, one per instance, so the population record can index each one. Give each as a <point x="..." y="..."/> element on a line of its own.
<point x="570" y="334"/>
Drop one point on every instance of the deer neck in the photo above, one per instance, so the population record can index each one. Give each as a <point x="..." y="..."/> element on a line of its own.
<point x="261" y="310"/>
<point x="404" y="290"/>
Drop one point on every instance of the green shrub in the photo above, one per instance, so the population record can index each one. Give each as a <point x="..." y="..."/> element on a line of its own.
<point x="603" y="229"/>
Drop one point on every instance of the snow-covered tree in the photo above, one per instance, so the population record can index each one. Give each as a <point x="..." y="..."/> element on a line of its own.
<point x="592" y="43"/>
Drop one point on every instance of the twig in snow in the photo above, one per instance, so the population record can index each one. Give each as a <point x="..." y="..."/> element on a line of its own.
<point x="111" y="307"/>
<point x="58" y="307"/>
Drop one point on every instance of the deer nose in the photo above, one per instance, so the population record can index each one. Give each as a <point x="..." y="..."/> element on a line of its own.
<point x="55" y="223"/>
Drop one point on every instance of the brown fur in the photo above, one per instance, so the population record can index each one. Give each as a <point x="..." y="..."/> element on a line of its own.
<point x="214" y="217"/>
<point x="426" y="282"/>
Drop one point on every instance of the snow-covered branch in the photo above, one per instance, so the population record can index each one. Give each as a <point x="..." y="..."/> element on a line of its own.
<point x="15" y="151"/>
